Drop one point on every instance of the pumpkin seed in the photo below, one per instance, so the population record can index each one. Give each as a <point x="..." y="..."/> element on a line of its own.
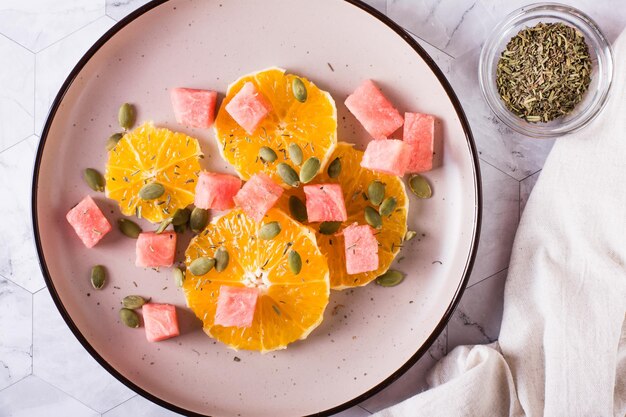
<point x="94" y="179"/>
<point x="198" y="220"/>
<point x="334" y="169"/>
<point x="98" y="276"/>
<point x="288" y="174"/>
<point x="112" y="141"/>
<point x="329" y="228"/>
<point x="221" y="259"/>
<point x="373" y="218"/>
<point x="181" y="228"/>
<point x="299" y="90"/>
<point x="420" y="186"/>
<point x="179" y="276"/>
<point x="410" y="234"/>
<point x="269" y="230"/>
<point x="133" y="302"/>
<point x="129" y="318"/>
<point x="294" y="261"/>
<point x="267" y="154"/>
<point x="181" y="216"/>
<point x="129" y="228"/>
<point x="126" y="116"/>
<point x="387" y="206"/>
<point x="309" y="169"/>
<point x="163" y="226"/>
<point x="202" y="265"/>
<point x="376" y="192"/>
<point x="295" y="153"/>
<point x="390" y="278"/>
<point x="297" y="209"/>
<point x="151" y="191"/>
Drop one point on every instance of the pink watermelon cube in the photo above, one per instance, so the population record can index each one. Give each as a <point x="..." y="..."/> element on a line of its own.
<point x="216" y="191"/>
<point x="419" y="134"/>
<point x="372" y="109"/>
<point x="192" y="107"/>
<point x="88" y="222"/>
<point x="160" y="321"/>
<point x="154" y="250"/>
<point x="235" y="306"/>
<point x="390" y="156"/>
<point x="248" y="107"/>
<point x="258" y="195"/>
<point x="361" y="249"/>
<point x="325" y="203"/>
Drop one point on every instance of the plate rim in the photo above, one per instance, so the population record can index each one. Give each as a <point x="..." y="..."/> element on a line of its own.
<point x="382" y="384"/>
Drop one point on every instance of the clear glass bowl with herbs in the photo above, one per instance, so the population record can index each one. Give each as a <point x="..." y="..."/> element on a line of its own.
<point x="537" y="75"/>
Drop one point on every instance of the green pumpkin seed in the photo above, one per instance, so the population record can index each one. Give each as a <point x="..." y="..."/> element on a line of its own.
<point x="112" y="140"/>
<point x="94" y="179"/>
<point x="181" y="228"/>
<point x="269" y="230"/>
<point x="387" y="206"/>
<point x="129" y="318"/>
<point x="179" y="277"/>
<point x="198" y="220"/>
<point x="309" y="170"/>
<point x="129" y="228"/>
<point x="373" y="218"/>
<point x="294" y="261"/>
<point x="390" y="278"/>
<point x="329" y="228"/>
<point x="299" y="90"/>
<point x="163" y="226"/>
<point x="221" y="259"/>
<point x="98" y="276"/>
<point x="126" y="116"/>
<point x="181" y="216"/>
<point x="295" y="153"/>
<point x="202" y="265"/>
<point x="288" y="174"/>
<point x="376" y="192"/>
<point x="420" y="186"/>
<point x="297" y="209"/>
<point x="267" y="154"/>
<point x="334" y="169"/>
<point x="410" y="234"/>
<point x="133" y="302"/>
<point x="151" y="191"/>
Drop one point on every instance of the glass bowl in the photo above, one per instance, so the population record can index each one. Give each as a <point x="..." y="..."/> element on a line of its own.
<point x="601" y="75"/>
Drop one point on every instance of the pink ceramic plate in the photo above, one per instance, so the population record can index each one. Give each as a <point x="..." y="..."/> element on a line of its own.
<point x="379" y="332"/>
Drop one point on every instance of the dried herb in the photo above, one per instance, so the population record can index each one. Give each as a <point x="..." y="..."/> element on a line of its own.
<point x="544" y="72"/>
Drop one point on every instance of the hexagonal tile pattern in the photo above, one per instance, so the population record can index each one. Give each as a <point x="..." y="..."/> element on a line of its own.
<point x="117" y="9"/>
<point x="17" y="93"/>
<point x="36" y="24"/>
<point x="58" y="358"/>
<point x="139" y="407"/>
<point x="18" y="258"/>
<point x="526" y="186"/>
<point x="33" y="397"/>
<point x="16" y="315"/>
<point x="53" y="65"/>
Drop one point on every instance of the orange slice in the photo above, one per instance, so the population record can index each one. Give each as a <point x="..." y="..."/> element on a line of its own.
<point x="289" y="306"/>
<point x="148" y="154"/>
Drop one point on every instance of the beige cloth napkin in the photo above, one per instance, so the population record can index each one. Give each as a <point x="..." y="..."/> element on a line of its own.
<point x="562" y="345"/>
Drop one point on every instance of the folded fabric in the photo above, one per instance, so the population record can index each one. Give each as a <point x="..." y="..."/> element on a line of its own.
<point x="562" y="344"/>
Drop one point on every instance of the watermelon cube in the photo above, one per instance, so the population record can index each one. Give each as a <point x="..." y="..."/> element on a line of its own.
<point x="192" y="107"/>
<point x="419" y="134"/>
<point x="235" y="306"/>
<point x="154" y="250"/>
<point x="390" y="156"/>
<point x="325" y="203"/>
<point x="216" y="191"/>
<point x="361" y="249"/>
<point x="372" y="109"/>
<point x="160" y="321"/>
<point x="88" y="222"/>
<point x="248" y="107"/>
<point x="258" y="195"/>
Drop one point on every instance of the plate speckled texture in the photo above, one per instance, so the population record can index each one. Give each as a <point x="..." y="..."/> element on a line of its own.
<point x="369" y="334"/>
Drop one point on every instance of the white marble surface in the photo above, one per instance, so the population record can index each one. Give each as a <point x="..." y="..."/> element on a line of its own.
<point x="43" y="369"/>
